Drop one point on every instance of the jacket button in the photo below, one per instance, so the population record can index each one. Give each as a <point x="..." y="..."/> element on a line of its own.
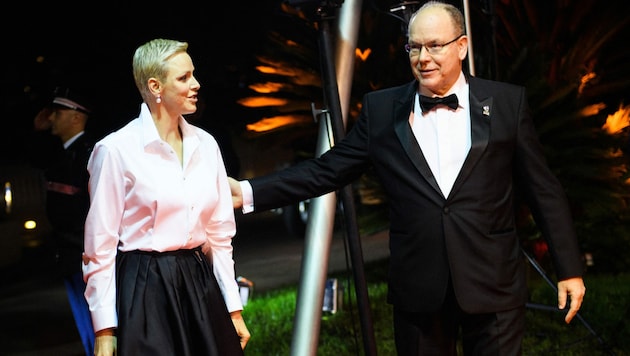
<point x="446" y="210"/>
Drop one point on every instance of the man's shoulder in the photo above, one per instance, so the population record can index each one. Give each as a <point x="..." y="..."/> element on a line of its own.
<point x="86" y="139"/>
<point x="82" y="146"/>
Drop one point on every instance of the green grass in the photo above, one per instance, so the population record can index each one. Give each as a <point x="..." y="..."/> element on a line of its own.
<point x="270" y="318"/>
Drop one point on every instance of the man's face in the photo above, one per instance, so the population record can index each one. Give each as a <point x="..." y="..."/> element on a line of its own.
<point x="61" y="121"/>
<point x="437" y="71"/>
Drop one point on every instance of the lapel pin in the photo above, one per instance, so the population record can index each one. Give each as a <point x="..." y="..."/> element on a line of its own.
<point x="486" y="110"/>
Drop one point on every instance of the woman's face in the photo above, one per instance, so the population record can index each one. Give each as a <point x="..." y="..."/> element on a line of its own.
<point x="180" y="89"/>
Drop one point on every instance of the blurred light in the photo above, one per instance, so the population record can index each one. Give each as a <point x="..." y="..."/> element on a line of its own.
<point x="592" y="110"/>
<point x="257" y="102"/>
<point x="295" y="74"/>
<point x="589" y="259"/>
<point x="8" y="197"/>
<point x="30" y="224"/>
<point x="272" y="123"/>
<point x="266" y="88"/>
<point x="362" y="55"/>
<point x="273" y="70"/>
<point x="245" y="288"/>
<point x="618" y="121"/>
<point x="331" y="296"/>
<point x="585" y="79"/>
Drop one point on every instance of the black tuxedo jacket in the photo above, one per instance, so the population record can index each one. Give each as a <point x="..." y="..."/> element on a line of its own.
<point x="469" y="236"/>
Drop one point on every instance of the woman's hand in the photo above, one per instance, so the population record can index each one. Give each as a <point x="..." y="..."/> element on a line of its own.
<point x="105" y="343"/>
<point x="241" y="328"/>
<point x="237" y="193"/>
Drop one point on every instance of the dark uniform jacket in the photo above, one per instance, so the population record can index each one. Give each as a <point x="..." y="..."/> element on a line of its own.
<point x="67" y="198"/>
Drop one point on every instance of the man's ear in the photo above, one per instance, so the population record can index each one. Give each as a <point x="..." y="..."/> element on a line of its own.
<point x="463" y="47"/>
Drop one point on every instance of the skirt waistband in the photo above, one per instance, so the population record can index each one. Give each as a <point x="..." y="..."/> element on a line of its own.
<point x="166" y="253"/>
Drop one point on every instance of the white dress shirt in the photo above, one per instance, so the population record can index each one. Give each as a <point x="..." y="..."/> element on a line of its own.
<point x="144" y="198"/>
<point x="444" y="135"/>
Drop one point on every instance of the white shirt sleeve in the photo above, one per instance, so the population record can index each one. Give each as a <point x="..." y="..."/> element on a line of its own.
<point x="248" y="197"/>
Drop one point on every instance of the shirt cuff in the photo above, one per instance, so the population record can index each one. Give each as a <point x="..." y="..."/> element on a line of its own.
<point x="248" y="196"/>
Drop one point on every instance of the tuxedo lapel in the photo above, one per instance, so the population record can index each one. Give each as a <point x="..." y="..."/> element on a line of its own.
<point x="480" y="115"/>
<point x="402" y="110"/>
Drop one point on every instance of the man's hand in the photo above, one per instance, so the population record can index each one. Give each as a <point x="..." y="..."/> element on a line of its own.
<point x="42" y="119"/>
<point x="237" y="193"/>
<point x="573" y="287"/>
<point x="241" y="328"/>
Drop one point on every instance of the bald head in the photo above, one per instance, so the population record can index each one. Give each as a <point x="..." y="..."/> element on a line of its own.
<point x="456" y="16"/>
<point x="437" y="46"/>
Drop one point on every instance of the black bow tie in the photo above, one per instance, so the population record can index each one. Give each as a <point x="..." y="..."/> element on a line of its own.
<point x="427" y="103"/>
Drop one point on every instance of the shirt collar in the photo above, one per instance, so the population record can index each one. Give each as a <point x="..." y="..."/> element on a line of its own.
<point x="71" y="140"/>
<point x="151" y="134"/>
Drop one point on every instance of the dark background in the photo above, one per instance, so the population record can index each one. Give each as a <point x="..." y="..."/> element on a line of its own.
<point x="90" y="45"/>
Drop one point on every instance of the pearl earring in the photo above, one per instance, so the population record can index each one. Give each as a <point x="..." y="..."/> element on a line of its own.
<point x="158" y="99"/>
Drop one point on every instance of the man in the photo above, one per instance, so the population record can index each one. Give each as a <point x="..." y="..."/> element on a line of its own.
<point x="61" y="149"/>
<point x="449" y="173"/>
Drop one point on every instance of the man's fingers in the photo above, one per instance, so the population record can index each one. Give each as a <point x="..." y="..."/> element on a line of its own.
<point x="571" y="288"/>
<point x="572" y="312"/>
<point x="562" y="299"/>
<point x="576" y="303"/>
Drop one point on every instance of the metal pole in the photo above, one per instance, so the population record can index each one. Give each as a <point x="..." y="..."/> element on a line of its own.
<point x="318" y="237"/>
<point x="471" y="57"/>
<point x="347" y="34"/>
<point x="320" y="225"/>
<point x="319" y="228"/>
<point x="348" y="28"/>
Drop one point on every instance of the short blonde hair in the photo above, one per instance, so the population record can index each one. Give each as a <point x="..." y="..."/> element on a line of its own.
<point x="149" y="61"/>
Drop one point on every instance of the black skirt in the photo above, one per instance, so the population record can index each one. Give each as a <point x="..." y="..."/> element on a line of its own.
<point x="170" y="304"/>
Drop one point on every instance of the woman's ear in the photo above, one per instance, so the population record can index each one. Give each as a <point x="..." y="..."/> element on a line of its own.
<point x="155" y="86"/>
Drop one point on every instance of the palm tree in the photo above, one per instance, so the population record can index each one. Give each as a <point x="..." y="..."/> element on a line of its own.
<point x="573" y="59"/>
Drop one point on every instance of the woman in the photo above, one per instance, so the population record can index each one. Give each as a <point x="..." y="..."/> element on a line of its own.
<point x="161" y="203"/>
